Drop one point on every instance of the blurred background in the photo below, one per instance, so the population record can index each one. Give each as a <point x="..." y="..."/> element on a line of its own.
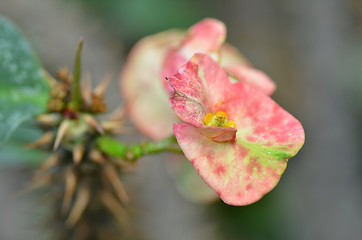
<point x="312" y="49"/>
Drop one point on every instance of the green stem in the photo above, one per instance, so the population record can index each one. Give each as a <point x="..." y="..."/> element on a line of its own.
<point x="76" y="95"/>
<point x="131" y="153"/>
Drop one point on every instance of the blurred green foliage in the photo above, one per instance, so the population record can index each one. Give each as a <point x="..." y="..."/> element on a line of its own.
<point x="23" y="87"/>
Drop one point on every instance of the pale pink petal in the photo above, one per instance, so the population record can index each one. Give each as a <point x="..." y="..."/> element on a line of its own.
<point x="142" y="88"/>
<point x="231" y="55"/>
<point x="206" y="36"/>
<point x="173" y="61"/>
<point x="251" y="76"/>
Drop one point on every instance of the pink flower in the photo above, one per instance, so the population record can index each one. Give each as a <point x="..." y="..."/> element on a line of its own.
<point x="238" y="139"/>
<point x="155" y="57"/>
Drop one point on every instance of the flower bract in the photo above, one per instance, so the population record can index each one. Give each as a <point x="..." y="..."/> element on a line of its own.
<point x="241" y="162"/>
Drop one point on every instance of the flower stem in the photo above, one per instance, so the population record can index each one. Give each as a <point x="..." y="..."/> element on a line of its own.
<point x="131" y="153"/>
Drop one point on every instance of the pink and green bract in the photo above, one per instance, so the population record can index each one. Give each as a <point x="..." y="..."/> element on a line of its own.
<point x="155" y="57"/>
<point x="241" y="164"/>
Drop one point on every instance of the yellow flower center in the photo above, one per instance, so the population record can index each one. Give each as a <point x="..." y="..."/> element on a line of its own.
<point x="219" y="119"/>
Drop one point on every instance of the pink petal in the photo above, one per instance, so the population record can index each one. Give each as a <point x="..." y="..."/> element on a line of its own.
<point x="206" y="36"/>
<point x="198" y="85"/>
<point x="251" y="76"/>
<point x="142" y="88"/>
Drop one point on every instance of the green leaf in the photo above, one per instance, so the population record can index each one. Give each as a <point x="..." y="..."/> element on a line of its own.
<point x="23" y="85"/>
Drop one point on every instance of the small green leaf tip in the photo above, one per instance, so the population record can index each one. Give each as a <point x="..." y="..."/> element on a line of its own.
<point x="76" y="95"/>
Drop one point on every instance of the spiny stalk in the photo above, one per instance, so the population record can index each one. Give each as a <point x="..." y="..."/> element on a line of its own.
<point x="82" y="173"/>
<point x="85" y="181"/>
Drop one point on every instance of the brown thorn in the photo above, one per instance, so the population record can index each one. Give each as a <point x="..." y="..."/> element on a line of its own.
<point x="40" y="179"/>
<point x="113" y="177"/>
<point x="47" y="137"/>
<point x="50" y="162"/>
<point x="118" y="114"/>
<point x="52" y="82"/>
<point x="64" y="125"/>
<point x="70" y="185"/>
<point x="48" y="119"/>
<point x="101" y="88"/>
<point x="112" y="125"/>
<point x="36" y="183"/>
<point x="87" y="86"/>
<point x="96" y="156"/>
<point x="126" y="166"/>
<point x="122" y="131"/>
<point x="93" y="123"/>
<point x="78" y="153"/>
<point x="79" y="206"/>
<point x="64" y="75"/>
<point x="114" y="207"/>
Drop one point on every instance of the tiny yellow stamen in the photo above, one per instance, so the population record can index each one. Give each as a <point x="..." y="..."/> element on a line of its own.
<point x="231" y="124"/>
<point x="208" y="118"/>
<point x="219" y="119"/>
<point x="221" y="114"/>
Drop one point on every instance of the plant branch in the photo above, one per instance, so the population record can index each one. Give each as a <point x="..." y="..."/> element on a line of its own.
<point x="131" y="153"/>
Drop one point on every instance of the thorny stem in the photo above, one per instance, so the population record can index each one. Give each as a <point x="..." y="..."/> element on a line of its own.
<point x="87" y="180"/>
<point x="131" y="153"/>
